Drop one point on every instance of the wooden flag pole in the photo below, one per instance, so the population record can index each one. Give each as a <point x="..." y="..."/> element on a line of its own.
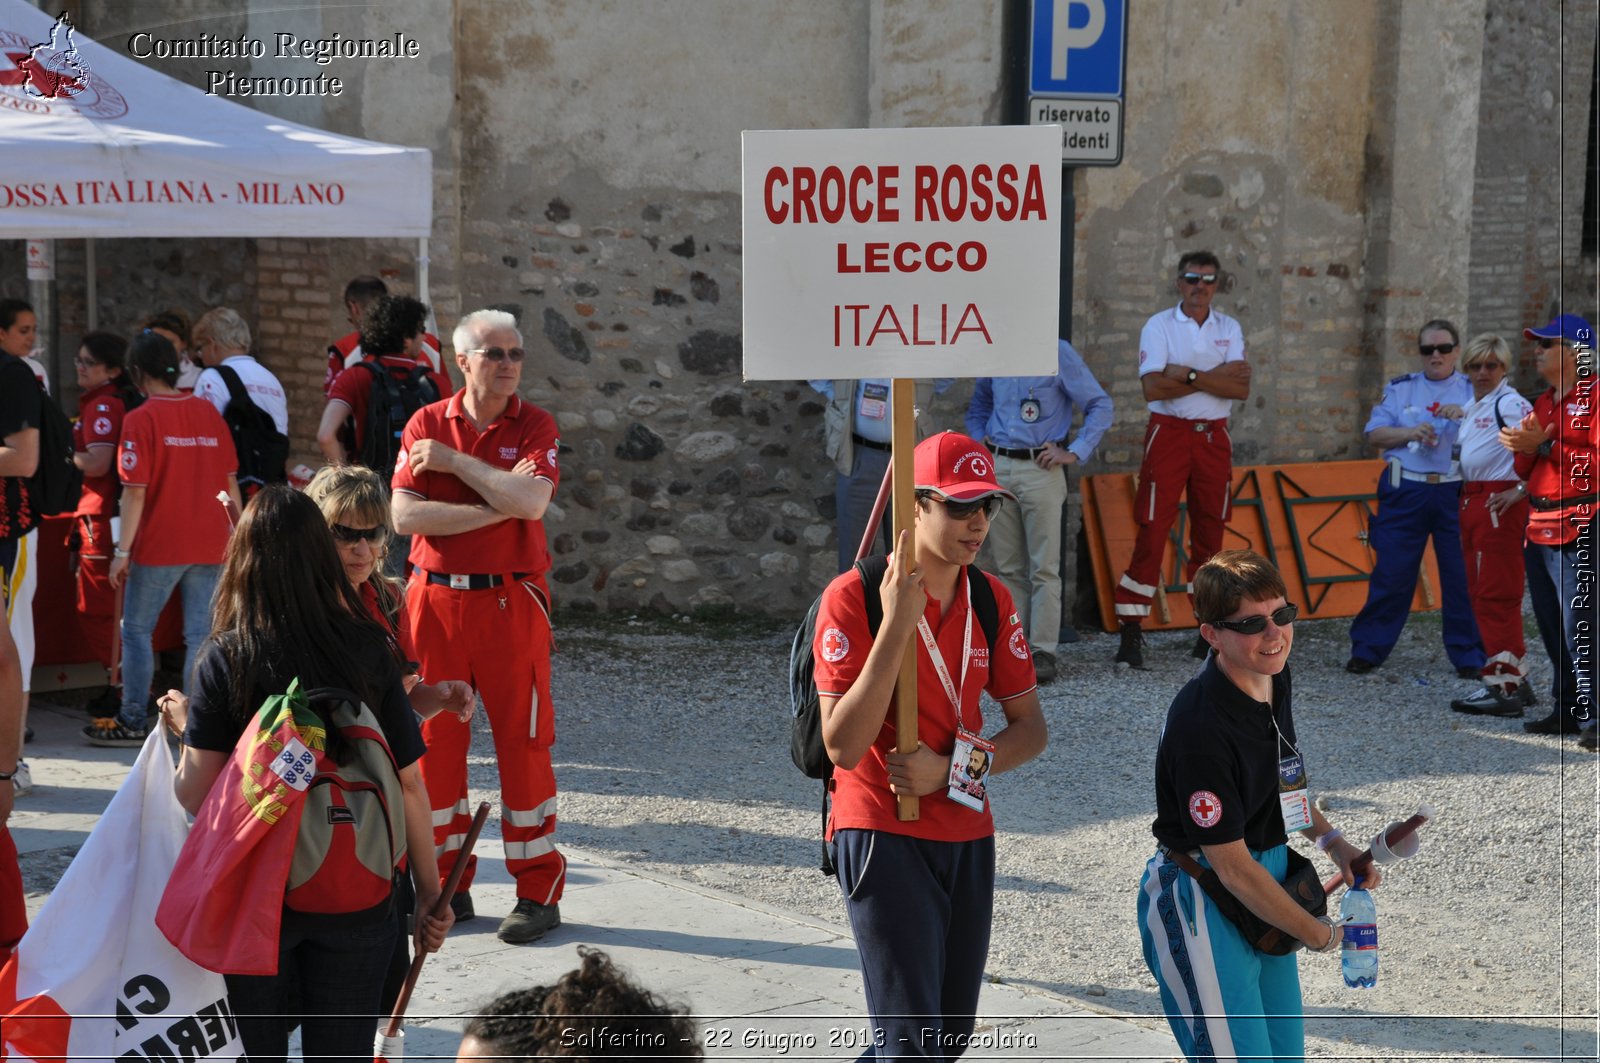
<point x="907" y="806"/>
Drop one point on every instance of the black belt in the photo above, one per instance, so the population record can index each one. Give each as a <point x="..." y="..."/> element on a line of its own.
<point x="1020" y="453"/>
<point x="473" y="581"/>
<point x="1544" y="505"/>
<point x="870" y="444"/>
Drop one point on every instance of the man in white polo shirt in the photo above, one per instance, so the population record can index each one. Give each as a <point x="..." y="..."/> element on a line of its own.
<point x="1192" y="367"/>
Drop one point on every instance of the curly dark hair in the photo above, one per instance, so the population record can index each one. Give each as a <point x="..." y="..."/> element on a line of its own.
<point x="389" y="321"/>
<point x="593" y="1012"/>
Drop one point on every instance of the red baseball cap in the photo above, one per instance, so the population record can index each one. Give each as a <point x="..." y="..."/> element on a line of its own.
<point x="956" y="467"/>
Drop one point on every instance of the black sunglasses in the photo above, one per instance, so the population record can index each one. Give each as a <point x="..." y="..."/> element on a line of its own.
<point x="963" y="510"/>
<point x="345" y="534"/>
<point x="1545" y="345"/>
<point x="1426" y="349"/>
<point x="500" y="354"/>
<point x="1199" y="278"/>
<point x="1255" y="625"/>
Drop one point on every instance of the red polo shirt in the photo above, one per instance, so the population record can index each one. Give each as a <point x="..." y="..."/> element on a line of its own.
<point x="339" y="360"/>
<point x="99" y="424"/>
<point x="1570" y="472"/>
<point x="523" y="430"/>
<point x="179" y="448"/>
<point x="861" y="796"/>
<point x="353" y="387"/>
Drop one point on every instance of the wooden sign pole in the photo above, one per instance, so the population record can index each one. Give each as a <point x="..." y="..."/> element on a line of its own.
<point x="907" y="806"/>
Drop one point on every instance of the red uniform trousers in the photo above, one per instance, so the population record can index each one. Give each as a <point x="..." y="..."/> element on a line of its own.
<point x="13" y="910"/>
<point x="96" y="597"/>
<point x="1491" y="545"/>
<point x="499" y="640"/>
<point x="1179" y="455"/>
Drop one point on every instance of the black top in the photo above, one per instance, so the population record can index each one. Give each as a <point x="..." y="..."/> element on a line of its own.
<point x="1217" y="764"/>
<point x="215" y="726"/>
<point x="20" y="396"/>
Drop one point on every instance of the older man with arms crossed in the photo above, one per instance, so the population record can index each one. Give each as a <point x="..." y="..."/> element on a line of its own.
<point x="471" y="484"/>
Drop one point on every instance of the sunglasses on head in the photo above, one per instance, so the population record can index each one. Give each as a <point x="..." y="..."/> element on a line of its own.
<point x="500" y="354"/>
<point x="345" y="534"/>
<point x="1198" y="278"/>
<point x="1255" y="625"/>
<point x="1427" y="349"/>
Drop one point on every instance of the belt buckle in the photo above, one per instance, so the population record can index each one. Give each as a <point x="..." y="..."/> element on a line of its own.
<point x="1201" y="426"/>
<point x="460" y="583"/>
<point x="1434" y="477"/>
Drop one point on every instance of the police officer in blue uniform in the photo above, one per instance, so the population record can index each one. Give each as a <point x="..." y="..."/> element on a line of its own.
<point x="1026" y="422"/>
<point x="1419" y="496"/>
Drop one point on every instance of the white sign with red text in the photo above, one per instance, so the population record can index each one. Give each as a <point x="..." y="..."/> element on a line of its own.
<point x="901" y="252"/>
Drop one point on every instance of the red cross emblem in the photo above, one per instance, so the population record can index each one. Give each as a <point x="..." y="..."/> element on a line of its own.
<point x="835" y="644"/>
<point x="1205" y="808"/>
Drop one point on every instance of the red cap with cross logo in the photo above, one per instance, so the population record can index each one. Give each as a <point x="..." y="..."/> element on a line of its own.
<point x="956" y="467"/>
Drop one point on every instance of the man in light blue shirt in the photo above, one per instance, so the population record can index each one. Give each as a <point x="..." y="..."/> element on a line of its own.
<point x="1025" y="422"/>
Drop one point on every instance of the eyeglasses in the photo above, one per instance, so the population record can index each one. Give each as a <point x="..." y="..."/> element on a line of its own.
<point x="345" y="534"/>
<point x="1255" y="625"/>
<point x="1198" y="278"/>
<point x="500" y="354"/>
<point x="1428" y="349"/>
<point x="964" y="510"/>
<point x="1476" y="367"/>
<point x="1545" y="345"/>
<point x="85" y="363"/>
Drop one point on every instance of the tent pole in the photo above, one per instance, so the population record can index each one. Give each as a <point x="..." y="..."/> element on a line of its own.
<point x="422" y="283"/>
<point x="90" y="294"/>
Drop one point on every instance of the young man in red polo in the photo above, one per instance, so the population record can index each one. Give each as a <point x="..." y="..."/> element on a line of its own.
<point x="471" y="483"/>
<point x="920" y="894"/>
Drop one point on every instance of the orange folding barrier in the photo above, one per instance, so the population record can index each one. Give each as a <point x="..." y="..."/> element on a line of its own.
<point x="1310" y="520"/>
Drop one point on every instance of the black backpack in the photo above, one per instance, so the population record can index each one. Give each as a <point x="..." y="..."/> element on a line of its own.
<point x="390" y="405"/>
<point x="263" y="451"/>
<point x="805" y="706"/>
<point x="57" y="483"/>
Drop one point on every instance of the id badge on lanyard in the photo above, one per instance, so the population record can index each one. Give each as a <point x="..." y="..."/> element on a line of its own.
<point x="971" y="754"/>
<point x="1294" y="793"/>
<point x="874" y="402"/>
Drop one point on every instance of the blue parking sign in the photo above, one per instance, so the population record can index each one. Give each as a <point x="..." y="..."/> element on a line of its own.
<point x="1078" y="47"/>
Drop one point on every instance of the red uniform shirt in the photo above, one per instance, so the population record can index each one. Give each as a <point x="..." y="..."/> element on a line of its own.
<point x="99" y="424"/>
<point x="1570" y="472"/>
<point x="178" y="448"/>
<point x="861" y="796"/>
<point x="353" y="387"/>
<point x="341" y="349"/>
<point x="511" y="546"/>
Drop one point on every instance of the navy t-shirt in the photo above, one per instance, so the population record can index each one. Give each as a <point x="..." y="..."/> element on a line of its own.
<point x="20" y="399"/>
<point x="1217" y="764"/>
<point x="215" y="726"/>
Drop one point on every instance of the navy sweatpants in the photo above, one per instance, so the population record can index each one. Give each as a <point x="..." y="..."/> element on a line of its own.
<point x="920" y="911"/>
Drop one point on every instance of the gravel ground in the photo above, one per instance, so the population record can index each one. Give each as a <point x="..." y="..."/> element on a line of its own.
<point x="673" y="757"/>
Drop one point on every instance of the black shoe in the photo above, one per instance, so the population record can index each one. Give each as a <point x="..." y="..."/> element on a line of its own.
<point x="1069" y="634"/>
<point x="528" y="921"/>
<point x="1590" y="740"/>
<point x="1130" y="652"/>
<point x="1466" y="671"/>
<point x="1488" y="701"/>
<point x="1525" y="691"/>
<point x="1201" y="648"/>
<point x="1044" y="667"/>
<point x="1557" y="723"/>
<point x="1361" y="666"/>
<point x="461" y="905"/>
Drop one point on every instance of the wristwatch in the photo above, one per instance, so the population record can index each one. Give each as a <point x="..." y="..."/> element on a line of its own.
<point x="1193" y="375"/>
<point x="1545" y="448"/>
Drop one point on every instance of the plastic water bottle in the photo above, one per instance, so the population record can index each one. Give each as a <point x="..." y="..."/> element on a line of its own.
<point x="1359" y="951"/>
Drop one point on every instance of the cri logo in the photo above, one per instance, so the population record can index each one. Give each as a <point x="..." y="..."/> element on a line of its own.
<point x="53" y="71"/>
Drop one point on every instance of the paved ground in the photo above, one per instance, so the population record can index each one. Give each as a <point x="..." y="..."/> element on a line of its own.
<point x="762" y="983"/>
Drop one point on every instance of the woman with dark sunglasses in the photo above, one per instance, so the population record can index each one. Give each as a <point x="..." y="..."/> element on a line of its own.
<point x="1419" y="495"/>
<point x="1228" y="741"/>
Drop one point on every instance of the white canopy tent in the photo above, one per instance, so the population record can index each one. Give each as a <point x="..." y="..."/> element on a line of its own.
<point x="93" y="144"/>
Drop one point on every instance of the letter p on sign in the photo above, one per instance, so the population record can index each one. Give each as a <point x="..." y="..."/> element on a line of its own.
<point x="1065" y="38"/>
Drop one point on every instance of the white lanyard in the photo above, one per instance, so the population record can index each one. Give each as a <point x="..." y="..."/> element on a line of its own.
<point x="938" y="658"/>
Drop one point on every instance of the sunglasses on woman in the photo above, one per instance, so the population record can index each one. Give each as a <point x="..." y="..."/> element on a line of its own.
<point x="1255" y="625"/>
<point x="345" y="534"/>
